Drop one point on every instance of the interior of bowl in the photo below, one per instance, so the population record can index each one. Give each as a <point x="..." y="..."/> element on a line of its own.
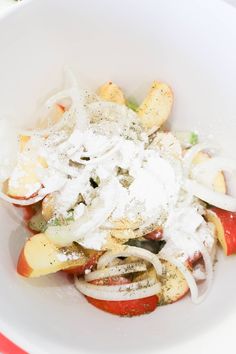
<point x="186" y="45"/>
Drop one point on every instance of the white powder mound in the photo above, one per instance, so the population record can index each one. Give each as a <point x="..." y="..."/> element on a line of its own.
<point x="102" y="146"/>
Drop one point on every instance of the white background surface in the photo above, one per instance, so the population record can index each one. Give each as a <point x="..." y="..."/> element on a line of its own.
<point x="6" y="3"/>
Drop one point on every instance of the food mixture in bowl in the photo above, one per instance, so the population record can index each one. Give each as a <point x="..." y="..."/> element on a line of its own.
<point x="133" y="211"/>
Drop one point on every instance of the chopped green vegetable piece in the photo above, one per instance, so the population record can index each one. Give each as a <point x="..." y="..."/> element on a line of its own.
<point x="60" y="221"/>
<point x="153" y="246"/>
<point x="132" y="105"/>
<point x="94" y="182"/>
<point x="37" y="222"/>
<point x="193" y="138"/>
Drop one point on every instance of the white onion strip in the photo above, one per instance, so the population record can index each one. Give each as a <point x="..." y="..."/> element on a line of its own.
<point x="130" y="251"/>
<point x="186" y="273"/>
<point x="22" y="202"/>
<point x="192" y="152"/>
<point x="92" y="219"/>
<point x="116" y="270"/>
<point x="96" y="160"/>
<point x="217" y="199"/>
<point x="207" y="170"/>
<point x="215" y="164"/>
<point x="98" y="291"/>
<point x="67" y="93"/>
<point x="208" y="269"/>
<point x="127" y="287"/>
<point x="47" y="131"/>
<point x="207" y="258"/>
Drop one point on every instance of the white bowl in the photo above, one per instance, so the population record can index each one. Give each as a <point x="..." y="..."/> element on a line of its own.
<point x="189" y="44"/>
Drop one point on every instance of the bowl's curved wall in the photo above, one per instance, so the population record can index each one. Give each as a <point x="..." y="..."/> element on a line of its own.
<point x="183" y="43"/>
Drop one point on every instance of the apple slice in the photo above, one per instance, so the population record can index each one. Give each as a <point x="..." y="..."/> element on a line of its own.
<point x="23" y="140"/>
<point x="40" y="257"/>
<point x="111" y="92"/>
<point x="174" y="285"/>
<point x="88" y="266"/>
<point x="48" y="206"/>
<point x="225" y="226"/>
<point x="156" y="107"/>
<point x="219" y="184"/>
<point x="23" y="182"/>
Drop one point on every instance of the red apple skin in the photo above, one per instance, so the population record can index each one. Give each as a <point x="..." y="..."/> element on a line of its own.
<point x="155" y="235"/>
<point x="225" y="223"/>
<point x="40" y="256"/>
<point x="89" y="265"/>
<point x="23" y="267"/>
<point x="191" y="261"/>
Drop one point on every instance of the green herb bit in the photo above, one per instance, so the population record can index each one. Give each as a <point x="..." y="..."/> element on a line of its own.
<point x="193" y="138"/>
<point x="60" y="221"/>
<point x="132" y="105"/>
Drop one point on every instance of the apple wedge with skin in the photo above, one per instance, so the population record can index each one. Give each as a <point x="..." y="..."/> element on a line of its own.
<point x="225" y="226"/>
<point x="40" y="256"/>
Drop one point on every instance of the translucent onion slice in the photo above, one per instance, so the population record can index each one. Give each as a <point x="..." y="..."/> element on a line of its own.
<point x="95" y="215"/>
<point x="132" y="286"/>
<point x="97" y="160"/>
<point x="207" y="170"/>
<point x="192" y="152"/>
<point x="216" y="164"/>
<point x="116" y="270"/>
<point x="22" y="202"/>
<point x="130" y="251"/>
<point x="66" y="117"/>
<point x="132" y="292"/>
<point x="64" y="168"/>
<point x="217" y="199"/>
<point x="208" y="269"/>
<point x="67" y="93"/>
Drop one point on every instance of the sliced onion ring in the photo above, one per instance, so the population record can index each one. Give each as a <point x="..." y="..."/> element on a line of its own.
<point x="116" y="270"/>
<point x="98" y="291"/>
<point x="130" y="251"/>
<point x="131" y="286"/>
<point x="215" y="164"/>
<point x="208" y="269"/>
<point x="59" y="125"/>
<point x="207" y="170"/>
<point x="22" y="202"/>
<point x="96" y="214"/>
<point x="192" y="152"/>
<point x="217" y="199"/>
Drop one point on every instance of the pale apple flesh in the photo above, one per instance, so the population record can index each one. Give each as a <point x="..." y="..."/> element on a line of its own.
<point x="40" y="256"/>
<point x="219" y="184"/>
<point x="156" y="107"/>
<point x="111" y="92"/>
<point x="225" y="228"/>
<point x="174" y="285"/>
<point x="24" y="182"/>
